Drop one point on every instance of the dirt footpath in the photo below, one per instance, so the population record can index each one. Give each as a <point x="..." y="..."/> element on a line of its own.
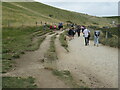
<point x="96" y="66"/>
<point x="30" y="65"/>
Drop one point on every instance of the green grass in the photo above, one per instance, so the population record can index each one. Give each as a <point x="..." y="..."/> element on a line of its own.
<point x="28" y="13"/>
<point x="112" y="42"/>
<point x="18" y="82"/>
<point x="18" y="40"/>
<point x="113" y="34"/>
<point x="66" y="76"/>
<point x="51" y="53"/>
<point x="63" y="41"/>
<point x="7" y="65"/>
<point x="36" y="45"/>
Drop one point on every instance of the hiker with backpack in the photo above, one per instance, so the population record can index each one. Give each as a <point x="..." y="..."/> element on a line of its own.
<point x="86" y="33"/>
<point x="71" y="33"/>
<point x="96" y="38"/>
<point x="82" y="28"/>
<point x="60" y="26"/>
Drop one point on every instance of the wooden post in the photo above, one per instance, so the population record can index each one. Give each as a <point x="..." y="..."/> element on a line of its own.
<point x="106" y="34"/>
<point x="36" y="24"/>
<point x="41" y="22"/>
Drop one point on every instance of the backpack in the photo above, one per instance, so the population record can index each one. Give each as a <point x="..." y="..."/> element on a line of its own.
<point x="89" y="34"/>
<point x="97" y="33"/>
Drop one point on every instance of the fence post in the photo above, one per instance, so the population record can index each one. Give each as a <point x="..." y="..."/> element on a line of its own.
<point x="41" y="22"/>
<point x="106" y="34"/>
<point x="36" y="24"/>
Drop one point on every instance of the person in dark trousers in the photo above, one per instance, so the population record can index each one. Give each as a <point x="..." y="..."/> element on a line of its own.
<point x="71" y="33"/>
<point x="60" y="26"/>
<point x="74" y="32"/>
<point x="88" y="37"/>
<point x="78" y="31"/>
<point x="82" y="28"/>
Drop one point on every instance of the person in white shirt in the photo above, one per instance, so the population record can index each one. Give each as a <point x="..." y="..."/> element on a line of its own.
<point x="86" y="33"/>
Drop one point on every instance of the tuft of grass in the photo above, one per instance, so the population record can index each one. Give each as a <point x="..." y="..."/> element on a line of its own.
<point x="7" y="65"/>
<point x="51" y="53"/>
<point x="63" y="41"/>
<point x="51" y="33"/>
<point x="36" y="45"/>
<point x="18" y="82"/>
<point x="112" y="42"/>
<point x="66" y="76"/>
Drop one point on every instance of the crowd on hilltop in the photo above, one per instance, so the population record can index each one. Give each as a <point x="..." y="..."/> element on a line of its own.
<point x="74" y="28"/>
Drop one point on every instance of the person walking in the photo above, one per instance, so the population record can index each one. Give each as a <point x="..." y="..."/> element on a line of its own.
<point x="51" y="27"/>
<point x="96" y="38"/>
<point x="45" y="26"/>
<point x="78" y="30"/>
<point x="74" y="32"/>
<point x="86" y="33"/>
<point x="55" y="27"/>
<point x="82" y="28"/>
<point x="71" y="33"/>
<point x="60" y="26"/>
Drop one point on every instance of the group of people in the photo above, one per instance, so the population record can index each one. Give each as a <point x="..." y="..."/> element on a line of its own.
<point x="60" y="26"/>
<point x="86" y="34"/>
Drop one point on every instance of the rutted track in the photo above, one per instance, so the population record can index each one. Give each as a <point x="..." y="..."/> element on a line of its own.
<point x="30" y="65"/>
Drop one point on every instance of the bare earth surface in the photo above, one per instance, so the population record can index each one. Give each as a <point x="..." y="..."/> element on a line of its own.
<point x="96" y="66"/>
<point x="30" y="65"/>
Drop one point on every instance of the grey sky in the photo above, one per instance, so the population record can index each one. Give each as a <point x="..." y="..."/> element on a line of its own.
<point x="92" y="8"/>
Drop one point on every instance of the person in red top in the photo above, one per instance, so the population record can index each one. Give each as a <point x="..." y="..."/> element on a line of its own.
<point x="51" y="27"/>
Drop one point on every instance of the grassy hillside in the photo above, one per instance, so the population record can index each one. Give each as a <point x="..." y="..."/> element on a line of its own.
<point x="115" y="18"/>
<point x="29" y="12"/>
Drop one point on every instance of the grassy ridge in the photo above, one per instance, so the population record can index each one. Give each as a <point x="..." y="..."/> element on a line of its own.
<point x="51" y="53"/>
<point x="67" y="77"/>
<point x="63" y="40"/>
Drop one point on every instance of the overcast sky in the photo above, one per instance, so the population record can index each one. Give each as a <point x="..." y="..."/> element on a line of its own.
<point x="91" y="7"/>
